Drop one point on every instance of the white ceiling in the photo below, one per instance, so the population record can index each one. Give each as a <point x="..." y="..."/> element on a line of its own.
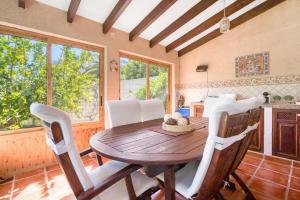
<point x="98" y="10"/>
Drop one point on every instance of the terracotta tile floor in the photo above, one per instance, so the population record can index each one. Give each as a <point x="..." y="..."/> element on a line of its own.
<point x="267" y="177"/>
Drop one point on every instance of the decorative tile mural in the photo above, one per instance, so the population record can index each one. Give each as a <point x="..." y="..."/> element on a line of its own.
<point x="252" y="65"/>
<point x="245" y="88"/>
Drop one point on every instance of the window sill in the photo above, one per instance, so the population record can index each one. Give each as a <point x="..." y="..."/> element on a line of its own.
<point x="81" y="125"/>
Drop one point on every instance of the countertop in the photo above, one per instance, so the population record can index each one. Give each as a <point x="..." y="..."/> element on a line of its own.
<point x="282" y="106"/>
<point x="271" y="105"/>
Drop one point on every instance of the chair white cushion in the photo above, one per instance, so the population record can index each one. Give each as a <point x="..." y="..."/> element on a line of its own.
<point x="253" y="102"/>
<point x="141" y="182"/>
<point x="152" y="109"/>
<point x="122" y="112"/>
<point x="210" y="103"/>
<point x="184" y="177"/>
<point x="51" y="114"/>
<point x="230" y="96"/>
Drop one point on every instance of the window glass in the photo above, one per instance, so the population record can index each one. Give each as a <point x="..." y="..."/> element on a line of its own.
<point x="159" y="84"/>
<point x="23" y="80"/>
<point x="132" y="79"/>
<point x="75" y="76"/>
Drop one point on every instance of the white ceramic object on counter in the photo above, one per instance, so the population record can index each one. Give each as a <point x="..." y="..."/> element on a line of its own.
<point x="298" y="103"/>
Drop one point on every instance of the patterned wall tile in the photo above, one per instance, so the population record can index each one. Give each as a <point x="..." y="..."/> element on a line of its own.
<point x="245" y="88"/>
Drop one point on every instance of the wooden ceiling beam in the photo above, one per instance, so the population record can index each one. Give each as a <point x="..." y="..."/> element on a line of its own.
<point x="183" y="19"/>
<point x="22" y="3"/>
<point x="115" y="14"/>
<point x="162" y="7"/>
<point x="234" y="7"/>
<point x="234" y="23"/>
<point x="73" y="7"/>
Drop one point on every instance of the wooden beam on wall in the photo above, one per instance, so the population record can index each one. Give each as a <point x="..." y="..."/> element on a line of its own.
<point x="115" y="14"/>
<point x="234" y="23"/>
<point x="22" y="3"/>
<point x="190" y="14"/>
<point x="234" y="7"/>
<point x="73" y="7"/>
<point x="162" y="7"/>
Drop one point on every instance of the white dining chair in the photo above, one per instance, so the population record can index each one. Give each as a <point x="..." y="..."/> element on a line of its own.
<point x="203" y="179"/>
<point x="152" y="109"/>
<point x="123" y="112"/>
<point x="106" y="182"/>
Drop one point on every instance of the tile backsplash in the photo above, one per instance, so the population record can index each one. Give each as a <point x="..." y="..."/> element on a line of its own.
<point x="245" y="88"/>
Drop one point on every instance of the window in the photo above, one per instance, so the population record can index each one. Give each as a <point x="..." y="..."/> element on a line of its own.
<point x="143" y="79"/>
<point x="23" y="80"/>
<point x="70" y="81"/>
<point x="75" y="78"/>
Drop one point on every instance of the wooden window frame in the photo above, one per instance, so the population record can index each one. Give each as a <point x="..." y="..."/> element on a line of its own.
<point x="50" y="40"/>
<point x="148" y="62"/>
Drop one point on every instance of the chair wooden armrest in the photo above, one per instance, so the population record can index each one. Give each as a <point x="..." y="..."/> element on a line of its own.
<point x="86" y="152"/>
<point x="123" y="173"/>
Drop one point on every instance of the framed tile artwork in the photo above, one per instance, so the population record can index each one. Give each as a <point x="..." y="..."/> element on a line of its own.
<point x="252" y="65"/>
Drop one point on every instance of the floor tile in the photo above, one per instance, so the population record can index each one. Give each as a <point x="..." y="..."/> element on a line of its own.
<point x="246" y="168"/>
<point x="5" y="190"/>
<point x="32" y="192"/>
<point x="32" y="182"/>
<point x="272" y="176"/>
<point x="65" y="196"/>
<point x="278" y="160"/>
<point x="252" y="160"/>
<point x="295" y="183"/>
<point x="244" y="177"/>
<point x="29" y="173"/>
<point x="260" y="196"/>
<point x="296" y="172"/>
<point x="296" y="164"/>
<point x="282" y="168"/>
<point x="293" y="195"/>
<point x="271" y="190"/>
<point x="53" y="167"/>
<point x="55" y="175"/>
<point x="255" y="154"/>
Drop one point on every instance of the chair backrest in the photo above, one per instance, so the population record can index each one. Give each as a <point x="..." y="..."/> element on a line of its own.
<point x="152" y="109"/>
<point x="211" y="102"/>
<point x="228" y="123"/>
<point x="59" y="138"/>
<point x="122" y="112"/>
<point x="254" y="117"/>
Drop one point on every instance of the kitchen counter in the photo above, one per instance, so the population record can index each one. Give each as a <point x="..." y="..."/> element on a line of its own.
<point x="282" y="106"/>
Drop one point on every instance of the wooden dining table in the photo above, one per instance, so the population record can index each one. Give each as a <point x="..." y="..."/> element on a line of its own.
<point x="156" y="150"/>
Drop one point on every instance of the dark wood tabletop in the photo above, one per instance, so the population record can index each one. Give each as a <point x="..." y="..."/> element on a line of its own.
<point x="139" y="144"/>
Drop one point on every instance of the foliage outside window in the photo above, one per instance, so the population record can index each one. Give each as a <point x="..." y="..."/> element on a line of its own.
<point x="135" y="72"/>
<point x="23" y="80"/>
<point x="75" y="75"/>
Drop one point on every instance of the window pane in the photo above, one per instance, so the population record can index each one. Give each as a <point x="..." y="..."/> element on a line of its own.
<point x="75" y="75"/>
<point x="133" y="79"/>
<point x="23" y="80"/>
<point x="159" y="80"/>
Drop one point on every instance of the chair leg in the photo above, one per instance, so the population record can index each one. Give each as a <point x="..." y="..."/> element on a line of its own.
<point x="229" y="185"/>
<point x="244" y="186"/>
<point x="219" y="196"/>
<point x="130" y="188"/>
<point x="99" y="159"/>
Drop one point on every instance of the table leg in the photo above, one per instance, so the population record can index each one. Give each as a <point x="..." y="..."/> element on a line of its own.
<point x="169" y="176"/>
